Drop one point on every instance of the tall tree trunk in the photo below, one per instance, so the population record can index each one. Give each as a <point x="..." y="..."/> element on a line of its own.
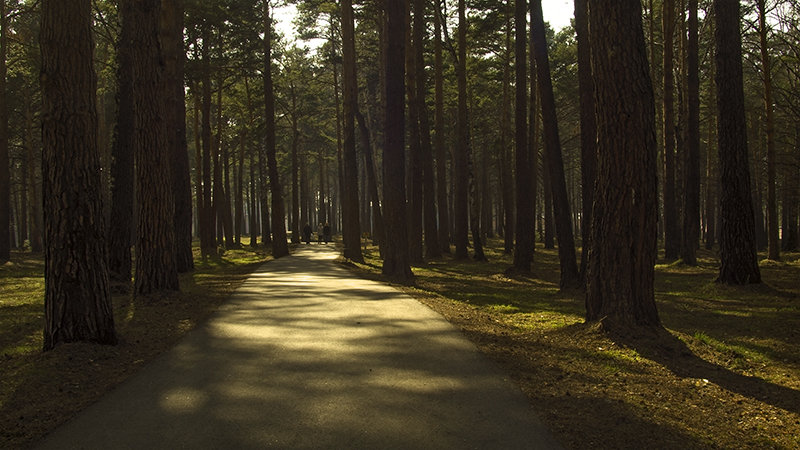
<point x="773" y="239"/>
<point x="737" y="223"/>
<point x="461" y="153"/>
<point x="208" y="243"/>
<point x="155" y="244"/>
<point x="280" y="247"/>
<point x="414" y="174"/>
<point x="790" y="233"/>
<point x="523" y="252"/>
<point x="294" y="218"/>
<point x="588" y="128"/>
<point x="175" y="98"/>
<point x="34" y="192"/>
<point x="507" y="179"/>
<point x="549" y="238"/>
<point x="239" y="194"/>
<point x="439" y="141"/>
<point x="432" y="247"/>
<point x="671" y="238"/>
<point x="5" y="171"/>
<point x="712" y="177"/>
<point x="555" y="165"/>
<point x="77" y="299"/>
<point x="533" y="129"/>
<point x="396" y="261"/>
<point x="624" y="242"/>
<point x="691" y="190"/>
<point x="377" y="216"/>
<point x="198" y="162"/>
<point x="351" y="228"/>
<point x="120" y="228"/>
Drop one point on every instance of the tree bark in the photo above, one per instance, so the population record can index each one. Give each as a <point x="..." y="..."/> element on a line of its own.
<point x="155" y="238"/>
<point x="280" y="247"/>
<point x="773" y="239"/>
<point x="507" y="178"/>
<point x="620" y="275"/>
<point x="208" y="243"/>
<point x="175" y="99"/>
<point x="671" y="237"/>
<point x="461" y="152"/>
<point x="5" y="171"/>
<point x="380" y="229"/>
<point x="396" y="261"/>
<point x="120" y="229"/>
<point x="555" y="165"/>
<point x="414" y="173"/>
<point x="523" y="251"/>
<point x="739" y="264"/>
<point x="691" y="191"/>
<point x="294" y="217"/>
<point x="351" y="227"/>
<point x="432" y="246"/>
<point x="439" y="141"/>
<point x="77" y="298"/>
<point x="588" y="128"/>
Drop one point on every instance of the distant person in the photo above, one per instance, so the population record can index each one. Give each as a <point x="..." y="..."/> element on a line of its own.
<point x="326" y="232"/>
<point x="320" y="231"/>
<point x="307" y="233"/>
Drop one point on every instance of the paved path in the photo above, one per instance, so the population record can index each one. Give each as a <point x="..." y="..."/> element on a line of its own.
<point x="305" y="355"/>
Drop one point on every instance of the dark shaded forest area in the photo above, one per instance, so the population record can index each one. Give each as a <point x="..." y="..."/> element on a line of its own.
<point x="652" y="147"/>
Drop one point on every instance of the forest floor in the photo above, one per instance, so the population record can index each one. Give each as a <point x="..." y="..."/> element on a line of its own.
<point x="723" y="373"/>
<point x="39" y="391"/>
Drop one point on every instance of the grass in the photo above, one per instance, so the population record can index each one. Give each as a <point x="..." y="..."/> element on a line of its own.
<point x="39" y="390"/>
<point x="724" y="371"/>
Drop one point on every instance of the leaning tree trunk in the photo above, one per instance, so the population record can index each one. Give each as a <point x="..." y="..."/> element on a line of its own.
<point x="739" y="264"/>
<point x="280" y="247"/>
<point x="175" y="99"/>
<point x="588" y="128"/>
<point x="555" y="164"/>
<point x="691" y="191"/>
<point x="77" y="299"/>
<point x="624" y="223"/>
<point x="396" y="261"/>
<point x="155" y="238"/>
<point x="523" y="251"/>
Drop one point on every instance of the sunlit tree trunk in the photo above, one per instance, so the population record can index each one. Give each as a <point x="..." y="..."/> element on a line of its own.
<point x="739" y="263"/>
<point x="77" y="298"/>
<point x="621" y="261"/>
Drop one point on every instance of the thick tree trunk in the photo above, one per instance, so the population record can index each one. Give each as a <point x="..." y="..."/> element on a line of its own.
<point x="533" y="130"/>
<point x="773" y="239"/>
<point x="439" y="141"/>
<point x="523" y="251"/>
<point x="461" y="153"/>
<point x="555" y="165"/>
<point x="351" y="228"/>
<point x="280" y="247"/>
<point x="624" y="242"/>
<point x="155" y="244"/>
<point x="77" y="298"/>
<point x="588" y="128"/>
<point x="175" y="99"/>
<point x="737" y="223"/>
<point x="395" y="262"/>
<point x="671" y="232"/>
<point x="691" y="191"/>
<point x="120" y="229"/>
